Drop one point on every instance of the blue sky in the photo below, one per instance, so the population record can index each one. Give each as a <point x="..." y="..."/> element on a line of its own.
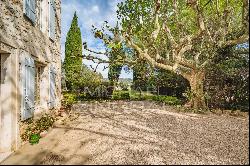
<point x="90" y="12"/>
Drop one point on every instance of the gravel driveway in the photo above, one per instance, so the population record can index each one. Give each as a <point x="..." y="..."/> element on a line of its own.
<point x="140" y="133"/>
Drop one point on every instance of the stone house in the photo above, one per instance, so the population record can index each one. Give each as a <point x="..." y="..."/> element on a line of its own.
<point x="30" y="64"/>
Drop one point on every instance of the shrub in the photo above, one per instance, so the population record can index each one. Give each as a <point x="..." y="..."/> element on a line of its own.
<point x="227" y="81"/>
<point x="135" y="95"/>
<point x="44" y="123"/>
<point x="69" y="99"/>
<point x="34" y="139"/>
<point x="166" y="99"/>
<point x="34" y="128"/>
<point x="123" y="85"/>
<point x="120" y="95"/>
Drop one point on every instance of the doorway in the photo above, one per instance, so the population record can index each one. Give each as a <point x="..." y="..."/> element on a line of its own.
<point x="5" y="105"/>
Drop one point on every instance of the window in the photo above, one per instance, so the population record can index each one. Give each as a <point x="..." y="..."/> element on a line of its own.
<point x="37" y="84"/>
<point x="30" y="9"/>
<point x="28" y="74"/>
<point x="52" y="19"/>
<point x="3" y="68"/>
<point x="52" y="87"/>
<point x="41" y="15"/>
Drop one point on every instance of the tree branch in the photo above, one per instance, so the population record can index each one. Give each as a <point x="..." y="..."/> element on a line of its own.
<point x="95" y="52"/>
<point x="242" y="39"/>
<point x="100" y="60"/>
<point x="245" y="15"/>
<point x="169" y="35"/>
<point x="144" y="55"/>
<point x="157" y="25"/>
<point x="200" y="21"/>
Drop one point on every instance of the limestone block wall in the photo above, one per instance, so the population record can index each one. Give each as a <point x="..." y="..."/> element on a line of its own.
<point x="18" y="31"/>
<point x="19" y="38"/>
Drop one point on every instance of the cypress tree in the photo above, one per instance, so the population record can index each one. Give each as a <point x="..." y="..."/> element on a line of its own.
<point x="73" y="48"/>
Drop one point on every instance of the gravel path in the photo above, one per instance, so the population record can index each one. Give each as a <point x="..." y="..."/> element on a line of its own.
<point x="140" y="133"/>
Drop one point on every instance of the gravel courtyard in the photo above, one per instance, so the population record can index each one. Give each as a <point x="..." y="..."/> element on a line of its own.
<point x="140" y="133"/>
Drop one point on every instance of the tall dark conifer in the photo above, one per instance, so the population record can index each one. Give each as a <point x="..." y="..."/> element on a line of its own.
<point x="73" y="48"/>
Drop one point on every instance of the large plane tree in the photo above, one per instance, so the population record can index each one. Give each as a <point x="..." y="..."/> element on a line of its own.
<point x="183" y="36"/>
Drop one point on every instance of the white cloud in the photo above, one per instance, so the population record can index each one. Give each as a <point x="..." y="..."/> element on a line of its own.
<point x="95" y="9"/>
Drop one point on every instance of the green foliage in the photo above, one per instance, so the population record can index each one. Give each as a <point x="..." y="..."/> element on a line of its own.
<point x="123" y="85"/>
<point x="44" y="122"/>
<point x="34" y="128"/>
<point x="69" y="99"/>
<point x="227" y="81"/>
<point x="170" y="100"/>
<point x="210" y="26"/>
<point x="139" y="96"/>
<point x="114" y="69"/>
<point x="185" y="45"/>
<point x="120" y="95"/>
<point x="170" y="83"/>
<point x="137" y="18"/>
<point x="115" y="51"/>
<point x="141" y="75"/>
<point x="101" y="91"/>
<point x="34" y="139"/>
<point x="167" y="82"/>
<point x="88" y="79"/>
<point x="73" y="50"/>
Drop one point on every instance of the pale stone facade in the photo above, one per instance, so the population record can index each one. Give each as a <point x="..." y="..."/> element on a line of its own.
<point x="29" y="50"/>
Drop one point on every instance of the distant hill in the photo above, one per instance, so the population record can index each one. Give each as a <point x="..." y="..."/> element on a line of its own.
<point x="124" y="80"/>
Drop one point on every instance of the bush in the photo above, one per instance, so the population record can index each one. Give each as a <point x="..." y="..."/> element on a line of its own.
<point x="44" y="123"/>
<point x="123" y="85"/>
<point x="69" y="99"/>
<point x="166" y="99"/>
<point x="227" y="83"/>
<point x="120" y="95"/>
<point x="34" y="128"/>
<point x="34" y="139"/>
<point x="134" y="95"/>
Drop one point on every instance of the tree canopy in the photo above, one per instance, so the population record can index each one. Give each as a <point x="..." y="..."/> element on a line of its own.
<point x="184" y="36"/>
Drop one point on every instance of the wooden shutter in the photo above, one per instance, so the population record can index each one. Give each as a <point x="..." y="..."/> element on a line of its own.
<point x="28" y="79"/>
<point x="52" y="89"/>
<point x="52" y="19"/>
<point x="30" y="9"/>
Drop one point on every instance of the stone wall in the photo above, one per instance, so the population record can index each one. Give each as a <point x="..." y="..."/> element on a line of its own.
<point x="19" y="37"/>
<point x="18" y="31"/>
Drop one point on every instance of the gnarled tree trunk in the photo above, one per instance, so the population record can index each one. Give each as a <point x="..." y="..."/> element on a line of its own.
<point x="197" y="93"/>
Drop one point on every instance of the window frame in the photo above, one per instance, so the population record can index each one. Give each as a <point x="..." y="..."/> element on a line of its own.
<point x="49" y="23"/>
<point x="26" y="14"/>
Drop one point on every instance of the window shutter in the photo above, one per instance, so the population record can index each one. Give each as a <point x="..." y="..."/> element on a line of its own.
<point x="52" y="89"/>
<point x="28" y="79"/>
<point x="33" y="10"/>
<point x="27" y="8"/>
<point x="30" y="9"/>
<point x="52" y="19"/>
